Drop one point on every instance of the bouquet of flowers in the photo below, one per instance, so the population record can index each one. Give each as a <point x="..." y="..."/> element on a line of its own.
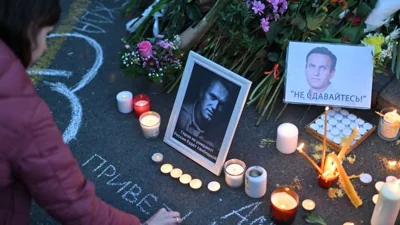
<point x="155" y="58"/>
<point x="383" y="49"/>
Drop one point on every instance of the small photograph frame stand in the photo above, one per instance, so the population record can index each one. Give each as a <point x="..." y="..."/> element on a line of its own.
<point x="339" y="126"/>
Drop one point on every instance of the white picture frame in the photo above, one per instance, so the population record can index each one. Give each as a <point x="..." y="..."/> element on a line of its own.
<point x="208" y="140"/>
<point x="346" y="83"/>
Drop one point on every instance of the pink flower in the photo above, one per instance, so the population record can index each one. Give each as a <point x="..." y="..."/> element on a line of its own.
<point x="265" y="24"/>
<point x="258" y="7"/>
<point x="127" y="46"/>
<point x="164" y="44"/>
<point x="145" y="48"/>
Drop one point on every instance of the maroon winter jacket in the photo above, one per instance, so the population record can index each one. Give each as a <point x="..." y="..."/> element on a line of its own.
<point x="35" y="162"/>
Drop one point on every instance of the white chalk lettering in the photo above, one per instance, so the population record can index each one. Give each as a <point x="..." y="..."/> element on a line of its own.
<point x="133" y="194"/>
<point x="144" y="200"/>
<point x="123" y="184"/>
<point x="90" y="159"/>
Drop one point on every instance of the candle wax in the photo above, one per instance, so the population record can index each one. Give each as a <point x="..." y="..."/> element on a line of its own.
<point x="392" y="117"/>
<point x="234" y="169"/>
<point x="284" y="201"/>
<point x="150" y="120"/>
<point x="141" y="103"/>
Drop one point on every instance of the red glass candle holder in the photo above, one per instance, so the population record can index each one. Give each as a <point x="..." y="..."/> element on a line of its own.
<point x="141" y="104"/>
<point x="324" y="181"/>
<point x="284" y="203"/>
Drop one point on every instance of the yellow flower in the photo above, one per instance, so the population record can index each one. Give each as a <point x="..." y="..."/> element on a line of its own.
<point x="376" y="42"/>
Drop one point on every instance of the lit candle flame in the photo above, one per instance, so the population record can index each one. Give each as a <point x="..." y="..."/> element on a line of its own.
<point x="300" y="148"/>
<point x="327" y="108"/>
<point x="283" y="206"/>
<point x="392" y="163"/>
<point x="123" y="96"/>
<point x="397" y="182"/>
<point x="394" y="111"/>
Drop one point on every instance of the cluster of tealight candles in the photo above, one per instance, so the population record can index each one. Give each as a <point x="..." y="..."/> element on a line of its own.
<point x="340" y="124"/>
<point x="185" y="179"/>
<point x="149" y="120"/>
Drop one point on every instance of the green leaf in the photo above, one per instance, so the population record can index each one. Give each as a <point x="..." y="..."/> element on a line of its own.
<point x="398" y="64"/>
<point x="193" y="12"/>
<point x="261" y="53"/>
<point x="363" y="9"/>
<point x="273" y="56"/>
<point x="274" y="30"/>
<point x="313" y="22"/>
<point x="315" y="218"/>
<point x="394" y="56"/>
<point x="299" y="22"/>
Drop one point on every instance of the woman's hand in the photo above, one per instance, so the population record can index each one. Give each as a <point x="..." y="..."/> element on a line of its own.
<point x="163" y="217"/>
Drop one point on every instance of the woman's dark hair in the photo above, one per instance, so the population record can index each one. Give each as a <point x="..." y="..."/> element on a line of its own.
<point x="21" y="21"/>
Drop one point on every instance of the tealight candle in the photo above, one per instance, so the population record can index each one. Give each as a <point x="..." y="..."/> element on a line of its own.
<point x="338" y="117"/>
<point x="332" y="113"/>
<point x="336" y="109"/>
<point x="348" y="223"/>
<point x="141" y="104"/>
<point x="333" y="122"/>
<point x="362" y="131"/>
<point x="352" y="117"/>
<point x="308" y="204"/>
<point x="378" y="185"/>
<point x="367" y="126"/>
<point x="185" y="178"/>
<point x="365" y="178"/>
<point x="166" y="168"/>
<point x="150" y="123"/>
<point x="195" y="184"/>
<point x="392" y="163"/>
<point x="319" y="122"/>
<point x="344" y="112"/>
<point x="157" y="157"/>
<point x="213" y="186"/>
<point x="388" y="128"/>
<point x="176" y="173"/>
<point x="340" y="126"/>
<point x="375" y="198"/>
<point x="391" y="179"/>
<point x="286" y="141"/>
<point x="234" y="172"/>
<point x="360" y="121"/>
<point x="314" y="126"/>
<point x="124" y="101"/>
<point x="284" y="205"/>
<point x="346" y="122"/>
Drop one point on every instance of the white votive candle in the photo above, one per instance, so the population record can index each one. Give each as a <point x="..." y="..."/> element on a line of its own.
<point x="157" y="157"/>
<point x="287" y="138"/>
<point x="234" y="172"/>
<point x="150" y="123"/>
<point x="124" y="102"/>
<point x="388" y="205"/>
<point x="213" y="186"/>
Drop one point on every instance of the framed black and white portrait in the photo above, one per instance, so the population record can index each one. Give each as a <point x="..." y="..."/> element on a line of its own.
<point x="206" y="112"/>
<point x="329" y="74"/>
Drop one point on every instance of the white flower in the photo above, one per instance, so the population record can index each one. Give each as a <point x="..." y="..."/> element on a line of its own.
<point x="381" y="14"/>
<point x="343" y="14"/>
<point x="394" y="34"/>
